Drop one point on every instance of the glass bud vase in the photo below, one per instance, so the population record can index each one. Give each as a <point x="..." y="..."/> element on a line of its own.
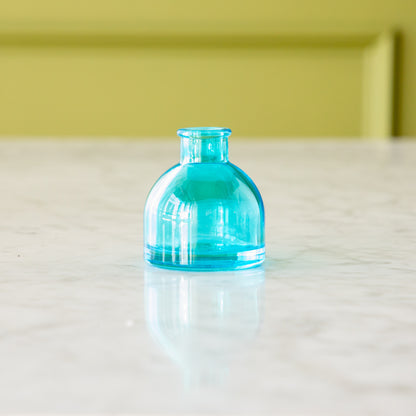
<point x="204" y="213"/>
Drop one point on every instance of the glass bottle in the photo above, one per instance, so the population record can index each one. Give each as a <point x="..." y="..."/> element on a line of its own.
<point x="204" y="213"/>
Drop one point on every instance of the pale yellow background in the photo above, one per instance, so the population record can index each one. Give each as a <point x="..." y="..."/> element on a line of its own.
<point x="65" y="86"/>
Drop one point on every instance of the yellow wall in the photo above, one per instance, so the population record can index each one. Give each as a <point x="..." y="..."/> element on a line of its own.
<point x="270" y="68"/>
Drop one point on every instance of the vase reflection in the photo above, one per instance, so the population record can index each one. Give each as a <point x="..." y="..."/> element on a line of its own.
<point x="201" y="320"/>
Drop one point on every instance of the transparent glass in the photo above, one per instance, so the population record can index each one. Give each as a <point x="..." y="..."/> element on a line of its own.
<point x="204" y="213"/>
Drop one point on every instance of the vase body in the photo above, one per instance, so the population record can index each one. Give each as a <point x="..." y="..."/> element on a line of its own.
<point x="204" y="213"/>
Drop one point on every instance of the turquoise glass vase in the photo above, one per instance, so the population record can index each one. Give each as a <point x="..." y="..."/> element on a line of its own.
<point x="204" y="213"/>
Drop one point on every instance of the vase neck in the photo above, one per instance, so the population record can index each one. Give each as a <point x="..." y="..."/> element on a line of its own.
<point x="204" y="145"/>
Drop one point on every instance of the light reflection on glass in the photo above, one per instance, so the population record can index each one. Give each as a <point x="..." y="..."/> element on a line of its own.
<point x="201" y="320"/>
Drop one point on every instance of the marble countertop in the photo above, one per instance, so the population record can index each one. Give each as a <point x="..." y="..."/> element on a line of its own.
<point x="326" y="327"/>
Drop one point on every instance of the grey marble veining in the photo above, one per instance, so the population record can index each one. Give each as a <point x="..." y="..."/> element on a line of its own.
<point x="326" y="327"/>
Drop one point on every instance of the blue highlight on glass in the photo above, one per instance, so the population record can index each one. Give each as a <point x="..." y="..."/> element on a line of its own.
<point x="204" y="213"/>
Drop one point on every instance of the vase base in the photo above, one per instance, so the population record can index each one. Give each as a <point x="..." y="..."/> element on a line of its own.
<point x="231" y="260"/>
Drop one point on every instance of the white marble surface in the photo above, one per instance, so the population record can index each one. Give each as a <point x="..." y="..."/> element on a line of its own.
<point x="326" y="327"/>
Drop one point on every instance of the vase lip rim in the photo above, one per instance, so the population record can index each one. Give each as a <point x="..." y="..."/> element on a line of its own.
<point x="204" y="132"/>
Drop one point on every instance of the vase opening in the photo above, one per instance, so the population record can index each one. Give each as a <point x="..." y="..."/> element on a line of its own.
<point x="204" y="144"/>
